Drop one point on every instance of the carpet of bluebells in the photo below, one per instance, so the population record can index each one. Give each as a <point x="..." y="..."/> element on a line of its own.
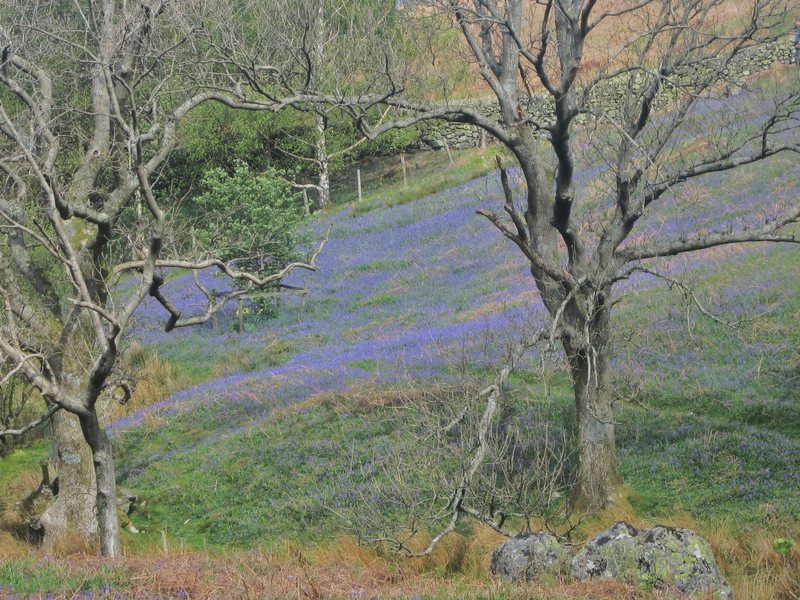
<point x="407" y="292"/>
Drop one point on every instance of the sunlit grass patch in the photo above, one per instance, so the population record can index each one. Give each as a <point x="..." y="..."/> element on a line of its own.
<point x="40" y="575"/>
<point x="467" y="165"/>
<point x="20" y="474"/>
<point x="387" y="265"/>
<point x="382" y="298"/>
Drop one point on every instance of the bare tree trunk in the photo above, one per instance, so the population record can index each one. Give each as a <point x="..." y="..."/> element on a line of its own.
<point x="105" y="485"/>
<point x="323" y="160"/>
<point x="599" y="483"/>
<point x="73" y="512"/>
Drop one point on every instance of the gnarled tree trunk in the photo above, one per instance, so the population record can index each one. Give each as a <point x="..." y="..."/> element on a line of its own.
<point x="599" y="483"/>
<point x="72" y="517"/>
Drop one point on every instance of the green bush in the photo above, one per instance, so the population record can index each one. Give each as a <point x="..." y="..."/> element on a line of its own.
<point x="247" y="218"/>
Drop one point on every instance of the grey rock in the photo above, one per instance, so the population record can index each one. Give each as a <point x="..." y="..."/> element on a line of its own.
<point x="680" y="559"/>
<point x="529" y="557"/>
<point x="126" y="501"/>
<point x="612" y="554"/>
<point x="661" y="558"/>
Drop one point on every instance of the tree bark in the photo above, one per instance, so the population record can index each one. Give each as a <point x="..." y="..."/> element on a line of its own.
<point x="323" y="161"/>
<point x="323" y="158"/>
<point x="105" y="485"/>
<point x="599" y="483"/>
<point x="73" y="512"/>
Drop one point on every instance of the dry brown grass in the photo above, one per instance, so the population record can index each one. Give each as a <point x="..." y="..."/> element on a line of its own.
<point x="73" y="543"/>
<point x="340" y="568"/>
<point x="155" y="379"/>
<point x="10" y="544"/>
<point x="302" y="575"/>
<point x="747" y="556"/>
<point x="12" y="525"/>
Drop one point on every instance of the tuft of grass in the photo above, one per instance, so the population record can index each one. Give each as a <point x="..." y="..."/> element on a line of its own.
<point x="271" y="353"/>
<point x="383" y="298"/>
<point x="387" y="264"/>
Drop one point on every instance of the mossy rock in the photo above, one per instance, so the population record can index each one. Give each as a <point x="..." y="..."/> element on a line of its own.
<point x="663" y="557"/>
<point x="612" y="554"/>
<point x="534" y="556"/>
<point x="680" y="559"/>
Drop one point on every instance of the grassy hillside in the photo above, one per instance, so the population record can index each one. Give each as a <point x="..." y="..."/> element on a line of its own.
<point x="245" y="468"/>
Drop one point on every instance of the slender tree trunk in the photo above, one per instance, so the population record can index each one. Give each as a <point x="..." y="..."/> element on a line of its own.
<point x="72" y="515"/>
<point x="323" y="160"/>
<point x="105" y="485"/>
<point x="599" y="483"/>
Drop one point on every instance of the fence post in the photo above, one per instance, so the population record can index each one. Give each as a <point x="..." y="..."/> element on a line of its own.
<point x="405" y="172"/>
<point x="449" y="154"/>
<point x="358" y="178"/>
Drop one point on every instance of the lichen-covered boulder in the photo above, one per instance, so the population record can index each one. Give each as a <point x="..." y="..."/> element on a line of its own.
<point x="612" y="554"/>
<point x="530" y="556"/>
<point x="659" y="558"/>
<point x="680" y="559"/>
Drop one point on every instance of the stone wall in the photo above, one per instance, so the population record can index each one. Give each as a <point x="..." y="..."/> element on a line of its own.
<point x="435" y="134"/>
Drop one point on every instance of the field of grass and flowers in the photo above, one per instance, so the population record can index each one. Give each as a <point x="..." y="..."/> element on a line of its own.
<point x="265" y="433"/>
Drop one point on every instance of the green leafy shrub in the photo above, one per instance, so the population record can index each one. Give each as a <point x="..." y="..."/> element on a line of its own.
<point x="247" y="218"/>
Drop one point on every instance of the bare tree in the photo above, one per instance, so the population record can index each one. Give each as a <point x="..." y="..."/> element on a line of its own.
<point x="92" y="95"/>
<point x="662" y="70"/>
<point x="462" y="451"/>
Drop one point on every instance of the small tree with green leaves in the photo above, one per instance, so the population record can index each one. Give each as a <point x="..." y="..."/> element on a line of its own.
<point x="249" y="217"/>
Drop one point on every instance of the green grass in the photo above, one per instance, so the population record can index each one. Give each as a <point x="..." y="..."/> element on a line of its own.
<point x="385" y="265"/>
<point x="743" y="368"/>
<point x="366" y="364"/>
<point x="20" y="461"/>
<point x="37" y="575"/>
<point x="382" y="298"/>
<point x="197" y="358"/>
<point x="247" y="488"/>
<point x="428" y="173"/>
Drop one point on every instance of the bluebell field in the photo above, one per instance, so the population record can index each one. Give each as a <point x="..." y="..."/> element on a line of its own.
<point x="404" y="293"/>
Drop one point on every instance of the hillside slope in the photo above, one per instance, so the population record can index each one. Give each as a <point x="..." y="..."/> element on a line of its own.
<point x="406" y="293"/>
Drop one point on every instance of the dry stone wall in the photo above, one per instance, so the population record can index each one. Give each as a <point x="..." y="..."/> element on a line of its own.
<point x="436" y="134"/>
